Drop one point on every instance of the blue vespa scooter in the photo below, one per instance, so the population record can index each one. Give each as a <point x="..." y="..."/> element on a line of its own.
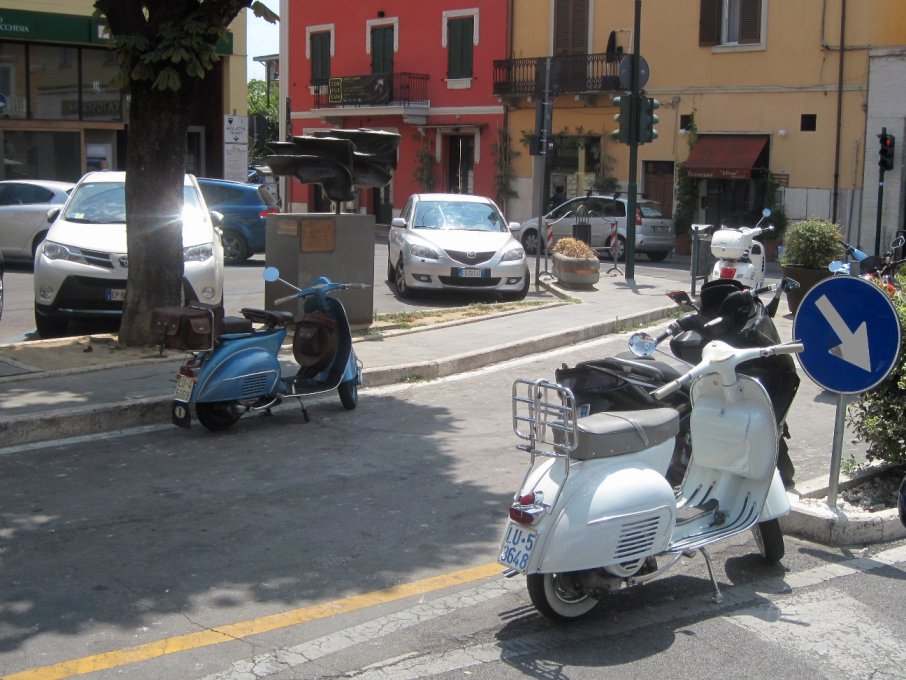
<point x="240" y="372"/>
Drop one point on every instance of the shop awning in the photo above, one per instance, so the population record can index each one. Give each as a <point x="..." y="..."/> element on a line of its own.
<point x="725" y="156"/>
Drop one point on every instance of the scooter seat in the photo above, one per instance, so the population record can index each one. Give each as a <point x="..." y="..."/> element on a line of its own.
<point x="615" y="433"/>
<point x="267" y="317"/>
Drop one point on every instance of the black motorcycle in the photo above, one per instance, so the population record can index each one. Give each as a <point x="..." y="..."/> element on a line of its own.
<point x="728" y="312"/>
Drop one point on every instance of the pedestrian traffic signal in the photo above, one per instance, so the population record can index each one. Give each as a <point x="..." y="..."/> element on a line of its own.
<point x="647" y="119"/>
<point x="623" y="134"/>
<point x="885" y="152"/>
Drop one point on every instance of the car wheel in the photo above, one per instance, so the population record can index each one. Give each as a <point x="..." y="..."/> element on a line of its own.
<point x="399" y="279"/>
<point x="530" y="241"/>
<point x="658" y="255"/>
<point x="618" y="250"/>
<point x="1" y="289"/>
<point x="235" y="249"/>
<point x="49" y="326"/>
<point x="391" y="272"/>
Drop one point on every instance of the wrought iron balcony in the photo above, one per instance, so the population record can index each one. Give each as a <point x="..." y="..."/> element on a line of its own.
<point x="383" y="89"/>
<point x="570" y="74"/>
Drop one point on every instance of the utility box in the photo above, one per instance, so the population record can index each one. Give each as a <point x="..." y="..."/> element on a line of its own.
<point x="339" y="246"/>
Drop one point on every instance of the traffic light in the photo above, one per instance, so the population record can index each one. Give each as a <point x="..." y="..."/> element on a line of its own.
<point x="623" y="134"/>
<point x="885" y="152"/>
<point x="647" y="119"/>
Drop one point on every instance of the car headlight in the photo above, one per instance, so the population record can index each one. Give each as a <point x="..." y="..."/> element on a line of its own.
<point x="416" y="250"/>
<point x="513" y="254"/>
<point x="57" y="251"/>
<point x="198" y="253"/>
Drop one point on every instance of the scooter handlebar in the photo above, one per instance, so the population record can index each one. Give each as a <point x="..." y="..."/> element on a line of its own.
<point x="284" y="300"/>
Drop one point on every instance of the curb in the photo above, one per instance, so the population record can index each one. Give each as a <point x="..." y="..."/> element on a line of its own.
<point x="106" y="417"/>
<point x="817" y="522"/>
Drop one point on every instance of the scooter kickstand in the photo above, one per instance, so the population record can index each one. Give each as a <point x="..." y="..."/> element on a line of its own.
<point x="718" y="597"/>
<point x="304" y="412"/>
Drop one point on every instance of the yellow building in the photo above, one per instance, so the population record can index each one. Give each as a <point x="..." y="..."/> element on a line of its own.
<point x="763" y="102"/>
<point x="59" y="115"/>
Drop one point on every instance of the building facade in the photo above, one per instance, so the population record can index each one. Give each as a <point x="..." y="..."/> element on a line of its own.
<point x="763" y="102"/>
<point x="422" y="70"/>
<point x="60" y="116"/>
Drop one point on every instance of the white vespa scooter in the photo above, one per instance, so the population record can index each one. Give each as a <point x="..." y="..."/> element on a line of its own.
<point x="597" y="513"/>
<point x="739" y="255"/>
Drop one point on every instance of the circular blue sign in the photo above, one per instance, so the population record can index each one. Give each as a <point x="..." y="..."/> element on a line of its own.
<point x="851" y="334"/>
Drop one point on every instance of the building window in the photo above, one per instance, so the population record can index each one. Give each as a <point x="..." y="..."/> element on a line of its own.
<point x="100" y="99"/>
<point x="459" y="47"/>
<point x="730" y="22"/>
<point x="808" y="122"/>
<point x="686" y="122"/>
<point x="320" y="58"/>
<point x="53" y="87"/>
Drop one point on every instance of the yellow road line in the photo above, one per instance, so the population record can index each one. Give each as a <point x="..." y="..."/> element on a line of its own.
<point x="243" y="629"/>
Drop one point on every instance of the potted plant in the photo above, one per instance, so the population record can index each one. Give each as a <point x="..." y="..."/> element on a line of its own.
<point x="809" y="246"/>
<point x="575" y="264"/>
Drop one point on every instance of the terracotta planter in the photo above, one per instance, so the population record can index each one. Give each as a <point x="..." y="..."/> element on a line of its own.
<point x="806" y="278"/>
<point x="576" y="272"/>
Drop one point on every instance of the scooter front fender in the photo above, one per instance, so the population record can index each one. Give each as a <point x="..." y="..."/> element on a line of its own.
<point x="607" y="513"/>
<point x="777" y="503"/>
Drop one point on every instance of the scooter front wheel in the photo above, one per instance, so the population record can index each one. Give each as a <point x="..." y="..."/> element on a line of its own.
<point x="769" y="538"/>
<point x="558" y="597"/>
<point x="218" y="415"/>
<point x="349" y="394"/>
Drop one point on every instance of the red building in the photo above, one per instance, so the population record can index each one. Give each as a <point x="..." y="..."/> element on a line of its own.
<point x="421" y="69"/>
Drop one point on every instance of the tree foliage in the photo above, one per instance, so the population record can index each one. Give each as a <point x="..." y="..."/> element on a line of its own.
<point x="260" y="104"/>
<point x="165" y="49"/>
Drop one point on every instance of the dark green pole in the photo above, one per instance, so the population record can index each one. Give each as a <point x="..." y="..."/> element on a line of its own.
<point x="634" y="112"/>
<point x="880" y="202"/>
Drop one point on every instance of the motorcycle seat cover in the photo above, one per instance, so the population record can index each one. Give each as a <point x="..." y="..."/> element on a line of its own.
<point x="616" y="433"/>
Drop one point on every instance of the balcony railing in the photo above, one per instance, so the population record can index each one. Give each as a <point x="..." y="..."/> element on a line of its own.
<point x="570" y="74"/>
<point x="384" y="89"/>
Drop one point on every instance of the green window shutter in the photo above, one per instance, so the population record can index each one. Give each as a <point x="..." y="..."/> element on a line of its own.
<point x="460" y="34"/>
<point x="320" y="57"/>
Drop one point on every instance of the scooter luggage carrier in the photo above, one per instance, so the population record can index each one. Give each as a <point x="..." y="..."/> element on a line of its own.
<point x="544" y="414"/>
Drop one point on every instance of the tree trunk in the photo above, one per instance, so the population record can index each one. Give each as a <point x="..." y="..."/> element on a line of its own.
<point x="158" y="123"/>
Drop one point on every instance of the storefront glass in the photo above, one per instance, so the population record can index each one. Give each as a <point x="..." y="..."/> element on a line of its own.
<point x="45" y="155"/>
<point x="54" y="72"/>
<point x="12" y="81"/>
<point x="100" y="99"/>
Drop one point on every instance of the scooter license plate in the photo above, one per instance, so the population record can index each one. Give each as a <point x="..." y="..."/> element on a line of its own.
<point x="517" y="546"/>
<point x="184" y="385"/>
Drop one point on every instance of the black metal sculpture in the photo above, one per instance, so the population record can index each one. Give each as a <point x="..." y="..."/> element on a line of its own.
<point x="341" y="161"/>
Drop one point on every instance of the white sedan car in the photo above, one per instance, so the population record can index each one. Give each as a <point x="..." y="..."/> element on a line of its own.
<point x="23" y="213"/>
<point x="455" y="242"/>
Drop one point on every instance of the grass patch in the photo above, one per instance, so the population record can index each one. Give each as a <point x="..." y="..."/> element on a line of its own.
<point x="425" y="316"/>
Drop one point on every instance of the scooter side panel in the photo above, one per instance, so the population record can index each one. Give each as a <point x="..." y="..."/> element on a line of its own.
<point x="241" y="369"/>
<point x="608" y="513"/>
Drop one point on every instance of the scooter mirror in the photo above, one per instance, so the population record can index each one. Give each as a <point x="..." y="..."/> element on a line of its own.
<point x="836" y="266"/>
<point x="642" y="344"/>
<point x="766" y="212"/>
<point x="271" y="274"/>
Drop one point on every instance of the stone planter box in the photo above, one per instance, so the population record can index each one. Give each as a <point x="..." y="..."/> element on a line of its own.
<point x="806" y="278"/>
<point x="576" y="272"/>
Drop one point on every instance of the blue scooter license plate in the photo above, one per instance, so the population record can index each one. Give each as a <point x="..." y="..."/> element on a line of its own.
<point x="517" y="546"/>
<point x="184" y="387"/>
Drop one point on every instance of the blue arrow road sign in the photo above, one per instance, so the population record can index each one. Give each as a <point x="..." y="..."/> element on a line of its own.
<point x="851" y="334"/>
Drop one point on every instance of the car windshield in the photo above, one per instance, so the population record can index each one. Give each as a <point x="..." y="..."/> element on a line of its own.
<point x="457" y="215"/>
<point x="105" y="203"/>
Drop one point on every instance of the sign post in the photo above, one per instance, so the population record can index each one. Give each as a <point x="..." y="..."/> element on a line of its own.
<point x="851" y="334"/>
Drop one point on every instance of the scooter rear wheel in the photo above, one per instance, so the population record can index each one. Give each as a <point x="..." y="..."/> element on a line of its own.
<point x="349" y="394"/>
<point x="769" y="538"/>
<point x="556" y="597"/>
<point x="218" y="415"/>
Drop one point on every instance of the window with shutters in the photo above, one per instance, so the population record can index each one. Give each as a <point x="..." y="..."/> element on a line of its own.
<point x="459" y="47"/>
<point x="731" y="23"/>
<point x="570" y="27"/>
<point x="320" y="58"/>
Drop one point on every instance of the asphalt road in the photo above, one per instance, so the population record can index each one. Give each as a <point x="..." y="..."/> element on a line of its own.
<point x="362" y="545"/>
<point x="244" y="287"/>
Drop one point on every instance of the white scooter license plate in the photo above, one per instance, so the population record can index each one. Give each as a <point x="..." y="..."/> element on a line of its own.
<point x="184" y="385"/>
<point x="517" y="546"/>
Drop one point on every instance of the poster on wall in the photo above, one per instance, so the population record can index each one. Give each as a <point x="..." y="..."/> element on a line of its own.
<point x="235" y="147"/>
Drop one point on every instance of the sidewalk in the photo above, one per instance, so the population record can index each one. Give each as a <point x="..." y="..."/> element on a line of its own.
<point x="37" y="406"/>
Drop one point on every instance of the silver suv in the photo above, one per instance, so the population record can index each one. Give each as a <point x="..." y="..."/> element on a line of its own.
<point x="596" y="215"/>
